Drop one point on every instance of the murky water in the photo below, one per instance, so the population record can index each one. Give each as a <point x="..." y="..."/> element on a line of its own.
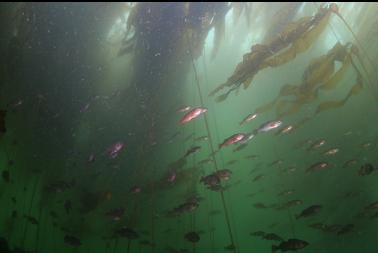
<point x="188" y="127"/>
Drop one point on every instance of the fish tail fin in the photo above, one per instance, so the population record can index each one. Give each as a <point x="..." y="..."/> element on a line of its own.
<point x="274" y="248"/>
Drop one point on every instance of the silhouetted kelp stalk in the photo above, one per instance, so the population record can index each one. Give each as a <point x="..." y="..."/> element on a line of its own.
<point x="29" y="212"/>
<point x="335" y="9"/>
<point x="134" y="214"/>
<point x="211" y="145"/>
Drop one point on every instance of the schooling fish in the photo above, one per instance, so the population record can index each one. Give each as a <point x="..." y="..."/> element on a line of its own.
<point x="247" y="119"/>
<point x="72" y="240"/>
<point x="233" y="139"/>
<point x="184" y="109"/>
<point x="192" y="150"/>
<point x="192" y="114"/>
<point x="309" y="211"/>
<point x="291" y="244"/>
<point x="317" y="167"/>
<point x="115" y="149"/>
<point x="270" y="125"/>
<point x="192" y="237"/>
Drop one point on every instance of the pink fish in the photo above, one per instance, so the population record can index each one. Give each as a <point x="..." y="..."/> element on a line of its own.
<point x="269" y="126"/>
<point x="85" y="108"/>
<point x="114" y="150"/>
<point x="172" y="177"/>
<point x="247" y="119"/>
<point x="233" y="139"/>
<point x="91" y="158"/>
<point x="135" y="189"/>
<point x="192" y="114"/>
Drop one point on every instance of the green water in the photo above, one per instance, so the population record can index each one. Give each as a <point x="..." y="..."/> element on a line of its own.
<point x="70" y="95"/>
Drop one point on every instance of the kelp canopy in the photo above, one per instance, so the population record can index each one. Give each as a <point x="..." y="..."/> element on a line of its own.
<point x="108" y="142"/>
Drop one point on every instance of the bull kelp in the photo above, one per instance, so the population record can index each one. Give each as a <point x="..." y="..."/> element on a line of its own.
<point x="188" y="127"/>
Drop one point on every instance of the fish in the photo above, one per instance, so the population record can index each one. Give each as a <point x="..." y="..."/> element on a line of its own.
<point x="317" y="167"/>
<point x="67" y="206"/>
<point x="184" y="109"/>
<point x="127" y="233"/>
<point x="233" y="139"/>
<point x="192" y="151"/>
<point x="289" y="204"/>
<point x="260" y="206"/>
<point x="285" y="130"/>
<point x="85" y="108"/>
<point x="172" y="176"/>
<point x="258" y="177"/>
<point x="251" y="157"/>
<point x="173" y="136"/>
<point x="232" y="162"/>
<point x="115" y="149"/>
<point x="230" y="247"/>
<point x="31" y="219"/>
<point x="371" y="206"/>
<point x="332" y="151"/>
<point x="6" y="176"/>
<point x="302" y="143"/>
<point x="366" y="145"/>
<point x="349" y="163"/>
<point x="147" y="243"/>
<point x="366" y="169"/>
<point x="240" y="147"/>
<point x="276" y="162"/>
<point x="258" y="233"/>
<point x="224" y="174"/>
<point x="286" y="192"/>
<point x="135" y="189"/>
<point x="272" y="237"/>
<point x="210" y="180"/>
<point x="202" y="138"/>
<point x="186" y="207"/>
<point x="249" y="118"/>
<point x="270" y="125"/>
<point x="247" y="138"/>
<point x="72" y="240"/>
<point x="192" y="237"/>
<point x="91" y="158"/>
<point x="345" y="229"/>
<point x="192" y="114"/>
<point x="291" y="244"/>
<point x="115" y="214"/>
<point x="205" y="161"/>
<point x="309" y="211"/>
<point x="317" y="144"/>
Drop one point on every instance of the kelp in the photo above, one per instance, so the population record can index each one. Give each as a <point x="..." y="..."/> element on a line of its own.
<point x="321" y="74"/>
<point x="238" y="8"/>
<point x="356" y="88"/>
<point x="281" y="19"/>
<point x="296" y="38"/>
<point x="197" y="20"/>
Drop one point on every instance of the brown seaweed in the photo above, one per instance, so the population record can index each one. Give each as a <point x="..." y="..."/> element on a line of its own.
<point x="296" y="38"/>
<point x="321" y="74"/>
